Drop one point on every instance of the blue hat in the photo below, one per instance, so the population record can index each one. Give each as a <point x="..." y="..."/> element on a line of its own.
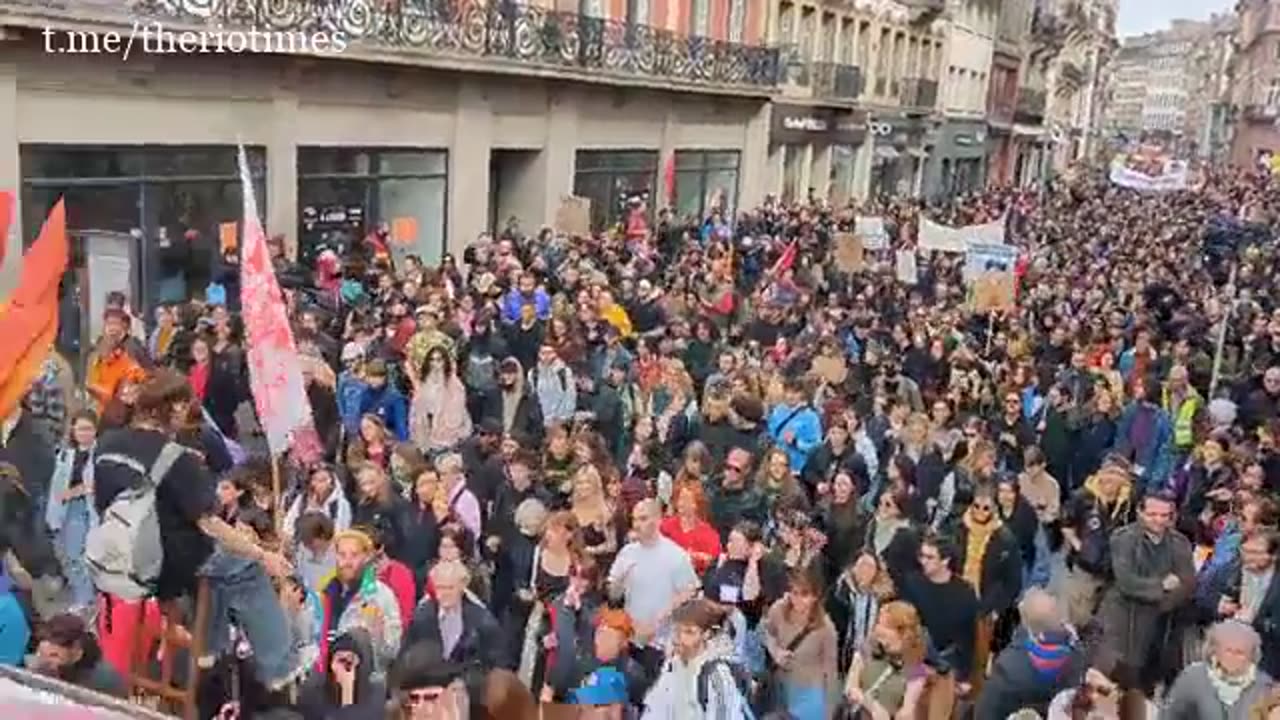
<point x="606" y="686"/>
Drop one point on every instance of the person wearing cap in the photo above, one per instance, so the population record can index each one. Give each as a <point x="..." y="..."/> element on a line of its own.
<point x="351" y="388"/>
<point x="384" y="401"/>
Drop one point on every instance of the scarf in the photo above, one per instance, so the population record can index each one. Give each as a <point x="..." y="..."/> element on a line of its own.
<point x="976" y="548"/>
<point x="200" y="379"/>
<point x="1229" y="689"/>
<point x="1048" y="656"/>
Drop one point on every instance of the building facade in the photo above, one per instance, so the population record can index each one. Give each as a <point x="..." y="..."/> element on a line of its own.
<point x="958" y="162"/>
<point x="1256" y="91"/>
<point x="1010" y="45"/>
<point x="444" y="125"/>
<point x="852" y="116"/>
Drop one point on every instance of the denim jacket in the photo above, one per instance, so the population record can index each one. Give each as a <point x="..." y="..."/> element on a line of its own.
<point x="56" y="511"/>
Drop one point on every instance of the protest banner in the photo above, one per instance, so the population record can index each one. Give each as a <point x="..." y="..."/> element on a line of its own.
<point x="982" y="258"/>
<point x="941" y="238"/>
<point x="1149" y="175"/>
<point x="573" y="217"/>
<point x="905" y="267"/>
<point x="848" y="252"/>
<point x="872" y="232"/>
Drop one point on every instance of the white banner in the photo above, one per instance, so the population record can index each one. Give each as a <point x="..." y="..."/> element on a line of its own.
<point x="871" y="229"/>
<point x="941" y="238"/>
<point x="1169" y="175"/>
<point x="905" y="267"/>
<point x="981" y="258"/>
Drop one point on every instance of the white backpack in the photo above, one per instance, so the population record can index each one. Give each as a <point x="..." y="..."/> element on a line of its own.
<point x="123" y="552"/>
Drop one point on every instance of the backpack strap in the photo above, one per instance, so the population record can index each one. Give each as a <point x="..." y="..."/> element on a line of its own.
<point x="169" y="455"/>
<point x="737" y="672"/>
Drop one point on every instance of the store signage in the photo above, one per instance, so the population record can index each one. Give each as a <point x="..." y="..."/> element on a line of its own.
<point x="800" y="124"/>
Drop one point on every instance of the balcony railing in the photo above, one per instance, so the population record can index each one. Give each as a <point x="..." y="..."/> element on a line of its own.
<point x="838" y="81"/>
<point x="1001" y="109"/>
<point x="1030" y="105"/>
<point x="918" y="94"/>
<point x="1261" y="113"/>
<point x="502" y="30"/>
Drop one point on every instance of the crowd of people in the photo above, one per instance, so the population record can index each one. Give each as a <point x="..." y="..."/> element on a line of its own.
<point x="696" y="471"/>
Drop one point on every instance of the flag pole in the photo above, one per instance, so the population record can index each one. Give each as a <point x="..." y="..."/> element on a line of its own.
<point x="276" y="500"/>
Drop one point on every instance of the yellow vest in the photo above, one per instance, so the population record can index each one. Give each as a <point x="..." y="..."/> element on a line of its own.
<point x="1183" y="417"/>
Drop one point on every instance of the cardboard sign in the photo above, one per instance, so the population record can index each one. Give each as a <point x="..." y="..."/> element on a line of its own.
<point x="404" y="230"/>
<point x="983" y="258"/>
<point x="994" y="291"/>
<point x="831" y="368"/>
<point x="872" y="232"/>
<point x="573" y="217"/>
<point x="904" y="267"/>
<point x="228" y="237"/>
<point x="848" y="252"/>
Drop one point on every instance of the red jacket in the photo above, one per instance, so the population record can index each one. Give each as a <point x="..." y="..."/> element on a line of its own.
<point x="702" y="539"/>
<point x="397" y="576"/>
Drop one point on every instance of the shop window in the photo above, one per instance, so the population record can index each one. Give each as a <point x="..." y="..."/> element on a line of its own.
<point x="706" y="180"/>
<point x="793" y="157"/>
<point x="344" y="192"/>
<point x="609" y="178"/>
<point x="842" y="159"/>
<point x="129" y="196"/>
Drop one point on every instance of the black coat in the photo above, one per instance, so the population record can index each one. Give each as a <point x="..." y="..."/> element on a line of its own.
<point x="480" y="645"/>
<point x="1225" y="582"/>
<point x="1001" y="569"/>
<point x="528" y="426"/>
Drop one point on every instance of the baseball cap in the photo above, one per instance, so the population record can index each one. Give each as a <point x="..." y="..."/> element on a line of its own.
<point x="606" y="686"/>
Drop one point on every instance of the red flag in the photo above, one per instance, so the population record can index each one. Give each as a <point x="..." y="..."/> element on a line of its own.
<point x="29" y="320"/>
<point x="275" y="374"/>
<point x="786" y="260"/>
<point x="669" y="179"/>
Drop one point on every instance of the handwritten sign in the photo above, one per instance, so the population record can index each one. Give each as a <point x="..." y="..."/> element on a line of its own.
<point x="404" y="230"/>
<point x="228" y="237"/>
<point x="905" y="267"/>
<point x="573" y="217"/>
<point x="848" y="252"/>
<point x="993" y="291"/>
<point x="872" y="232"/>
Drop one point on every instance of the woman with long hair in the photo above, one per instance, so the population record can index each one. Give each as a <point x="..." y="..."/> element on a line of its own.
<point x="217" y="388"/>
<point x="422" y="525"/>
<point x="854" y="602"/>
<point x="842" y="520"/>
<point x="559" y="463"/>
<point x="228" y="363"/>
<point x="438" y="418"/>
<point x="70" y="514"/>
<point x="378" y="505"/>
<point x="552" y="565"/>
<point x="802" y="643"/>
<point x="775" y="479"/>
<point x="888" y="675"/>
<point x="696" y="465"/>
<point x="323" y="494"/>
<point x="346" y="690"/>
<point x="597" y="533"/>
<point x="374" y="444"/>
<point x="689" y="527"/>
<point x="890" y="536"/>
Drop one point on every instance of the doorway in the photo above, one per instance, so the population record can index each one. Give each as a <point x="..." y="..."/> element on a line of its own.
<point x="516" y="190"/>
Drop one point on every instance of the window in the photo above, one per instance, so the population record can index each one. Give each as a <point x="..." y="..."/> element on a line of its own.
<point x="591" y="8"/>
<point x="638" y="12"/>
<point x="793" y="157"/>
<point x="737" y="20"/>
<point x="343" y="192"/>
<point x="1273" y="93"/>
<point x="184" y="193"/>
<point x="610" y="177"/>
<point x="706" y="179"/>
<point x="700" y="18"/>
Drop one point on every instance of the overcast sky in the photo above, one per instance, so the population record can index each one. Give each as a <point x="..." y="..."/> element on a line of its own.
<point x="1139" y="16"/>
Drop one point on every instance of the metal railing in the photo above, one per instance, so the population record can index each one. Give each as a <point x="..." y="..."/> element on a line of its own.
<point x="836" y="80"/>
<point x="918" y="93"/>
<point x="1030" y="105"/>
<point x="499" y="29"/>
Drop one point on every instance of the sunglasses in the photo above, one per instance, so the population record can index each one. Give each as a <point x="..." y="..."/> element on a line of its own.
<point x="982" y="506"/>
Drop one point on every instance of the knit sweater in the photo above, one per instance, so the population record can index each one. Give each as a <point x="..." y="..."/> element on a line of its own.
<point x="813" y="662"/>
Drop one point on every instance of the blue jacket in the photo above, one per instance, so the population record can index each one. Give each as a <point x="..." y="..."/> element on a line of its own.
<point x="804" y="424"/>
<point x="514" y="300"/>
<point x="388" y="404"/>
<point x="350" y="394"/>
<point x="1156" y="459"/>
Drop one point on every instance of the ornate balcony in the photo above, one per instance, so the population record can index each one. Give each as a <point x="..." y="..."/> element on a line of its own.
<point x="1261" y="113"/>
<point x="509" y="36"/>
<point x="918" y="94"/>
<point x="1030" y="106"/>
<point x="837" y="81"/>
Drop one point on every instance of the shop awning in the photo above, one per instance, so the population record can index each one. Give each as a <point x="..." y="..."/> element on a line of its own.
<point x="887" y="152"/>
<point x="1034" y="131"/>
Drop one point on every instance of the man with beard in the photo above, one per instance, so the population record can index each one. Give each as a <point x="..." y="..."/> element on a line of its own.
<point x="729" y="423"/>
<point x="356" y="598"/>
<point x="68" y="651"/>
<point x="736" y="498"/>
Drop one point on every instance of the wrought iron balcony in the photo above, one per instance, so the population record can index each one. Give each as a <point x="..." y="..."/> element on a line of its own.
<point x="1030" y="105"/>
<point x="837" y="81"/>
<point x="918" y="94"/>
<point x="505" y="31"/>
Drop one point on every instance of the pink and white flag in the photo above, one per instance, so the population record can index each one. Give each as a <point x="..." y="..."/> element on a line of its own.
<point x="275" y="372"/>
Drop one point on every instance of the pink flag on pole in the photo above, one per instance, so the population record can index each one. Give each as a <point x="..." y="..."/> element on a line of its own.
<point x="275" y="372"/>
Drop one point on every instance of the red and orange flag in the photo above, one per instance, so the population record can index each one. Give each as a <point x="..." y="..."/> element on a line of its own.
<point x="29" y="318"/>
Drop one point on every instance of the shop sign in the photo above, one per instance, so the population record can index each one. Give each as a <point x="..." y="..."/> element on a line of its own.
<point x="800" y="124"/>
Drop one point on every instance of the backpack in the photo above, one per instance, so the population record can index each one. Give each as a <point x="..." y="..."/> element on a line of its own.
<point x="741" y="678"/>
<point x="123" y="552"/>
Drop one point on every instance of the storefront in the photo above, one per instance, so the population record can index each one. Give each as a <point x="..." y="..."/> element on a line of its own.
<point x="344" y="191"/>
<point x="959" y="161"/>
<point x="898" y="155"/>
<point x="609" y="178"/>
<point x="811" y="149"/>
<point x="145" y="220"/>
<point x="706" y="179"/>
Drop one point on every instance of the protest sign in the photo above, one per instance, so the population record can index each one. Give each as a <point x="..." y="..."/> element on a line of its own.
<point x="982" y="258"/>
<point x="228" y="237"/>
<point x="993" y="291"/>
<point x="872" y="232"/>
<point x="404" y="230"/>
<point x="905" y="267"/>
<point x="941" y="238"/>
<point x="848" y="252"/>
<point x="573" y="217"/>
